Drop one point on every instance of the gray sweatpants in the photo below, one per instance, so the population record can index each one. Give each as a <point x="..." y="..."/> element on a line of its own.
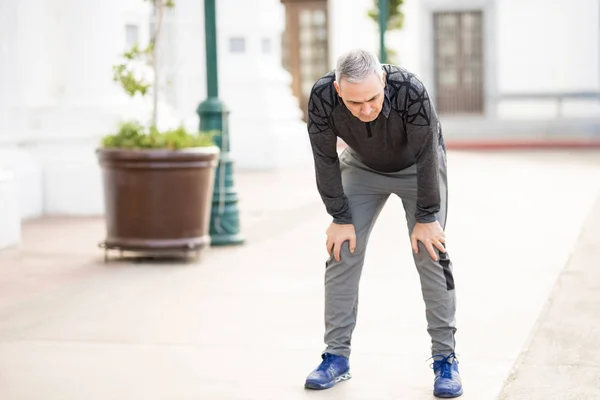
<point x="368" y="191"/>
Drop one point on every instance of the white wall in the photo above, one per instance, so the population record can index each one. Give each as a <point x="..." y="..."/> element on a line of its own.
<point x="183" y="63"/>
<point x="21" y="85"/>
<point x="27" y="177"/>
<point x="265" y="121"/>
<point x="408" y="41"/>
<point x="529" y="46"/>
<point x="548" y="47"/>
<point x="350" y="27"/>
<point x="59" y="99"/>
<point x="88" y="37"/>
<point x="265" y="124"/>
<point x="10" y="213"/>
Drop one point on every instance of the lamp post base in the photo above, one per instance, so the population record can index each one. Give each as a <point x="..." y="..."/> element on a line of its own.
<point x="224" y="221"/>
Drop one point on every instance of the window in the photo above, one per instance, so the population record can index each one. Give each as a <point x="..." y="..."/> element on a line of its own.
<point x="265" y="45"/>
<point x="459" y="75"/>
<point x="237" y="45"/>
<point x="132" y="35"/>
<point x="313" y="47"/>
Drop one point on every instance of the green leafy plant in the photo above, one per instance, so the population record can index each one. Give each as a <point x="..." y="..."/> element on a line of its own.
<point x="395" y="21"/>
<point x="126" y="77"/>
<point x="133" y="134"/>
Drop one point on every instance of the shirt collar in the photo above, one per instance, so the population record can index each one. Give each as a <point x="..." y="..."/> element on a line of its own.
<point x="387" y="103"/>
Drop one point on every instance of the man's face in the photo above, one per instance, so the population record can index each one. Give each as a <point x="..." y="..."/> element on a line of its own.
<point x="363" y="99"/>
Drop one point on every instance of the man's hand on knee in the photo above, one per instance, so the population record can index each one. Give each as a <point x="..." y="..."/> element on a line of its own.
<point x="431" y="235"/>
<point x="337" y="234"/>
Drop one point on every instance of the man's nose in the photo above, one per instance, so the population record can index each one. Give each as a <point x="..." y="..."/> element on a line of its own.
<point x="366" y="110"/>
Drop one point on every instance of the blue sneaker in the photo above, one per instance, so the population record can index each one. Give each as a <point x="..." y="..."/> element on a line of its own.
<point x="333" y="369"/>
<point x="447" y="383"/>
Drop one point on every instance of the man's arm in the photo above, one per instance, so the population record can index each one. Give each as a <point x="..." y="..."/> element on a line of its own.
<point x="324" y="147"/>
<point x="422" y="130"/>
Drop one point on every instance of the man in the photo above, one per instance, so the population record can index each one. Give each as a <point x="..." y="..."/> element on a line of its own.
<point x="395" y="145"/>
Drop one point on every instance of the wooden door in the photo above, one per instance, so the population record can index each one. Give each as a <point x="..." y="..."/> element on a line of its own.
<point x="305" y="45"/>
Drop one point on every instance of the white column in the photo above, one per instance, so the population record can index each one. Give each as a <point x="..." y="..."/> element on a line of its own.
<point x="265" y="122"/>
<point x="8" y="11"/>
<point x="87" y="39"/>
<point x="10" y="228"/>
<point x="10" y="218"/>
<point x="23" y="82"/>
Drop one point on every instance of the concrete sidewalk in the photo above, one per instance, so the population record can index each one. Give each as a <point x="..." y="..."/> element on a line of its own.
<point x="246" y="322"/>
<point x="562" y="359"/>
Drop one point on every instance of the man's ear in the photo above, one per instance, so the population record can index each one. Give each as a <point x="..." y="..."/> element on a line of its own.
<point x="337" y="88"/>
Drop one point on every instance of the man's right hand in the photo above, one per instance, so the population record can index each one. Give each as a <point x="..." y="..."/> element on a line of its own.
<point x="337" y="234"/>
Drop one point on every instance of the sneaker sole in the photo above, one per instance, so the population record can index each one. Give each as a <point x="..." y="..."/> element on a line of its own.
<point x="448" y="395"/>
<point x="316" y="386"/>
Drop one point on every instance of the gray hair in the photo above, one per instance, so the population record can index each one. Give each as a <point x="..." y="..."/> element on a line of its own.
<point x="355" y="65"/>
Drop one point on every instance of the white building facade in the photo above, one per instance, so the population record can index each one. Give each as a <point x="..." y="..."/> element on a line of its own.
<point x="57" y="97"/>
<point x="496" y="69"/>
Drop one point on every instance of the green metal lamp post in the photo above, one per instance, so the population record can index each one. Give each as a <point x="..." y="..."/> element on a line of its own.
<point x="383" y="17"/>
<point x="224" y="220"/>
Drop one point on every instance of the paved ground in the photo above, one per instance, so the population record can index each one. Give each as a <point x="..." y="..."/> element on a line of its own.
<point x="246" y="322"/>
<point x="562" y="359"/>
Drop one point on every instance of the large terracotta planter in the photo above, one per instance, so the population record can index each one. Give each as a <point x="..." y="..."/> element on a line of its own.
<point x="158" y="200"/>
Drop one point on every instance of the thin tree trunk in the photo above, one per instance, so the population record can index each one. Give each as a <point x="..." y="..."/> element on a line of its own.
<point x="160" y="5"/>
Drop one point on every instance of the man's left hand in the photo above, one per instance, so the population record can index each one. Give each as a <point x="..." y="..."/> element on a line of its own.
<point x="431" y="235"/>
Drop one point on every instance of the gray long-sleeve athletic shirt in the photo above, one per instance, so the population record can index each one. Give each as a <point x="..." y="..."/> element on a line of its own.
<point x="406" y="132"/>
